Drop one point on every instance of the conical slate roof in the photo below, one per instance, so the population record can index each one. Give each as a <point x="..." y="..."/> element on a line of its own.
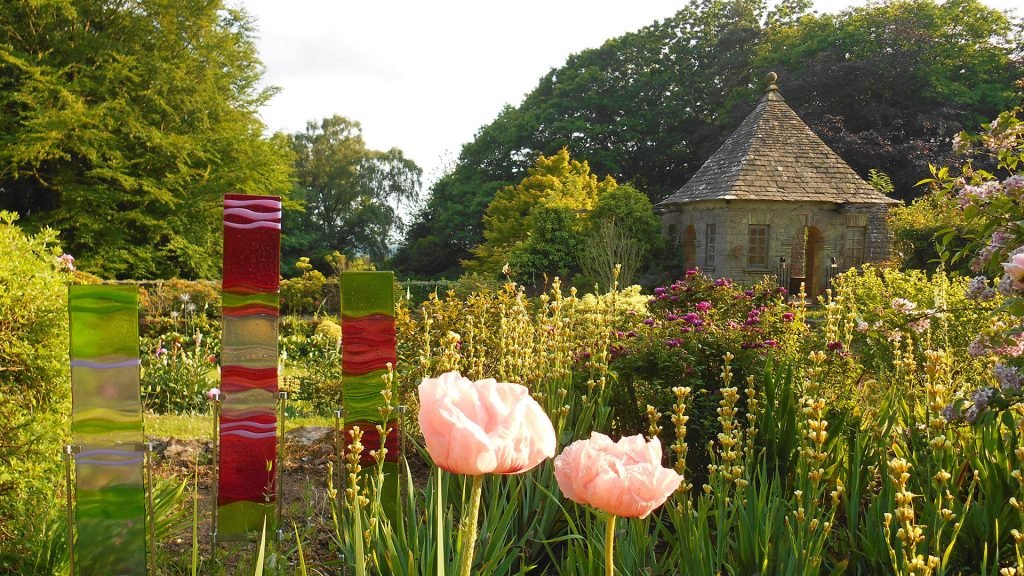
<point x="773" y="155"/>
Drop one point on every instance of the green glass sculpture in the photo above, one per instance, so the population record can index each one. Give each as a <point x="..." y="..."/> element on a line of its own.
<point x="106" y="429"/>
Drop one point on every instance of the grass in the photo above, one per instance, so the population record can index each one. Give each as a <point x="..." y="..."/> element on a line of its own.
<point x="200" y="426"/>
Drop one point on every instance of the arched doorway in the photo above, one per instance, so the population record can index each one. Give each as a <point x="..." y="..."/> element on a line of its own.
<point x="690" y="248"/>
<point x="807" y="261"/>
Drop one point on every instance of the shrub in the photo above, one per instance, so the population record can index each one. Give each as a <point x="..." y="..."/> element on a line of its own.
<point x="681" y="341"/>
<point x="177" y="371"/>
<point x="302" y="295"/>
<point x="34" y="382"/>
<point x="174" y="296"/>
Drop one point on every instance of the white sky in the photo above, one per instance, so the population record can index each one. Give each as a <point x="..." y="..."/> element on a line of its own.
<point x="424" y="76"/>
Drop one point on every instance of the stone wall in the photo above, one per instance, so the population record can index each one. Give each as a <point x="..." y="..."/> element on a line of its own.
<point x="789" y="223"/>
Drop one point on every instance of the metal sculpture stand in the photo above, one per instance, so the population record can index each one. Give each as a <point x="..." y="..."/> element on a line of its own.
<point x="215" y="400"/>
<point x="282" y="401"/>
<point x="150" y="510"/>
<point x="69" y="456"/>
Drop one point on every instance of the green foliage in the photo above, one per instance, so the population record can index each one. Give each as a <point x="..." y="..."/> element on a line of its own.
<point x="353" y="197"/>
<point x="311" y="355"/>
<point x="631" y="210"/>
<point x="552" y="247"/>
<point x="690" y="327"/>
<point x="341" y="263"/>
<point x="34" y="384"/>
<point x="989" y="214"/>
<point x="171" y="298"/>
<point x="126" y="123"/>
<point x="916" y="228"/>
<point x="883" y="84"/>
<point x="302" y="295"/>
<point x="880" y="181"/>
<point x="622" y="229"/>
<point x="557" y="219"/>
<point x="177" y="372"/>
<point x="876" y="309"/>
<point x="557" y="191"/>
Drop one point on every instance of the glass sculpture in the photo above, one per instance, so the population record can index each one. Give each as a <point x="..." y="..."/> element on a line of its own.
<point x="368" y="345"/>
<point x="106" y="429"/>
<point x="248" y="421"/>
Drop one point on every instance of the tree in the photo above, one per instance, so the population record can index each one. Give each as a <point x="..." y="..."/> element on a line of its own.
<point x="551" y="248"/>
<point x="606" y="247"/>
<point x="885" y="85"/>
<point x="353" y="196"/>
<point x="622" y="228"/>
<point x="632" y="212"/>
<point x="556" y="186"/>
<point x="124" y="123"/>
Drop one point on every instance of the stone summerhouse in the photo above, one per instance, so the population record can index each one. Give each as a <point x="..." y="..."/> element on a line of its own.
<point x="775" y="199"/>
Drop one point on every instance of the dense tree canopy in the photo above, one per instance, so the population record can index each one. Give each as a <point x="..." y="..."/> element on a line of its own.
<point x="554" y="185"/>
<point x="122" y="124"/>
<point x="885" y="85"/>
<point x="542" y="226"/>
<point x="352" y="196"/>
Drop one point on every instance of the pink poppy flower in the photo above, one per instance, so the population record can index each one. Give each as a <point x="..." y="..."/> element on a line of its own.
<point x="623" y="478"/>
<point x="483" y="427"/>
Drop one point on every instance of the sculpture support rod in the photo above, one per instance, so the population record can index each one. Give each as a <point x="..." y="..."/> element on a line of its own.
<point x="69" y="455"/>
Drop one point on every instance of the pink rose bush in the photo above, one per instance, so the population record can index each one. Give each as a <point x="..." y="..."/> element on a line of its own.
<point x="483" y="427"/>
<point x="623" y="478"/>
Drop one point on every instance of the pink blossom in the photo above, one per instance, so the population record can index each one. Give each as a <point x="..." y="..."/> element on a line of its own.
<point x="1015" y="267"/>
<point x="483" y="427"/>
<point x="623" y="478"/>
<point x="67" y="261"/>
<point x="903" y="305"/>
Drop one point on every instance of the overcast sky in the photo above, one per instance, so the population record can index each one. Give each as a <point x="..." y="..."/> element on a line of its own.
<point x="424" y="76"/>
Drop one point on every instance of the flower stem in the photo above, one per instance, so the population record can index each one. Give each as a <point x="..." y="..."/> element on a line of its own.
<point x="609" y="546"/>
<point x="469" y="528"/>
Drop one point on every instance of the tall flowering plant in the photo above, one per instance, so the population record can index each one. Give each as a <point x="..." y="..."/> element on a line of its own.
<point x="478" y="428"/>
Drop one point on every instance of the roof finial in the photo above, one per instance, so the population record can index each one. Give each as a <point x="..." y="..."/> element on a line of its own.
<point x="772" y="79"/>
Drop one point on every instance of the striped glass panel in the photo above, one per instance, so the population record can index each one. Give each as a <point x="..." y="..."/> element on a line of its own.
<point x="106" y="428"/>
